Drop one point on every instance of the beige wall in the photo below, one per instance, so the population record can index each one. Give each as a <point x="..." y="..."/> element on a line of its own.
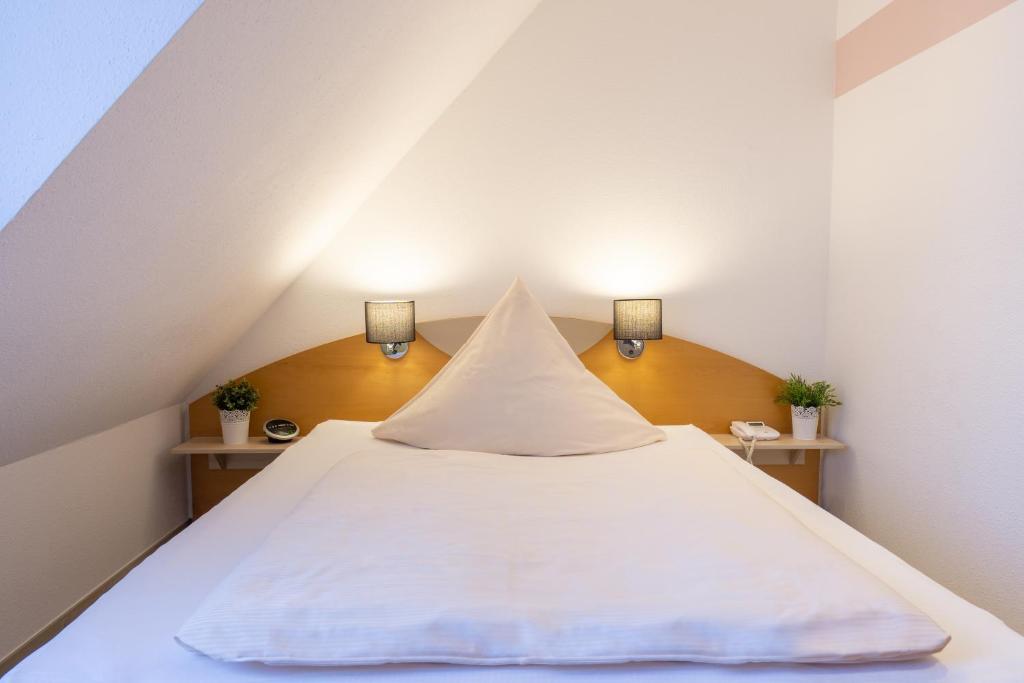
<point x="925" y="332"/>
<point x="609" y="149"/>
<point x="72" y="516"/>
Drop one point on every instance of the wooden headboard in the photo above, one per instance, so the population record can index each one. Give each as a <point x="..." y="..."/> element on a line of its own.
<point x="674" y="382"/>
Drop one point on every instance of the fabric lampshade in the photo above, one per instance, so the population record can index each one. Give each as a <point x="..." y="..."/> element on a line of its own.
<point x="390" y="322"/>
<point x="637" y="318"/>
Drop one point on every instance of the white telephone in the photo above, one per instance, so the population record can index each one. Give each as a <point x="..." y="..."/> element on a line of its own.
<point x="753" y="430"/>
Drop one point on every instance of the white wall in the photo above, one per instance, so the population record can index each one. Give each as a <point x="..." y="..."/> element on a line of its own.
<point x="72" y="516"/>
<point x="64" y="62"/>
<point x="925" y="324"/>
<point x="664" y="148"/>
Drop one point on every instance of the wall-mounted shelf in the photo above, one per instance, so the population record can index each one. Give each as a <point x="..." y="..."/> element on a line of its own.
<point x="215" y="484"/>
<point x="214" y="445"/>
<point x="208" y="485"/>
<point x="786" y="442"/>
<point x="796" y="449"/>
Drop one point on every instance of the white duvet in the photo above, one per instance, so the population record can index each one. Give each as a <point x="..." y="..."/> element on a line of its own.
<point x="661" y="553"/>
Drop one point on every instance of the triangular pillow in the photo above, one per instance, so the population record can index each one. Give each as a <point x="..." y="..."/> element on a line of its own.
<point x="516" y="387"/>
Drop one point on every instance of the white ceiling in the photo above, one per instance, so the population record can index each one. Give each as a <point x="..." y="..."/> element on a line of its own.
<point x="71" y="61"/>
<point x="206" y="189"/>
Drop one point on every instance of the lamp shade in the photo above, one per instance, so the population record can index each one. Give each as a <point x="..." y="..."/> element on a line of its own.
<point x="390" y="322"/>
<point x="637" y="319"/>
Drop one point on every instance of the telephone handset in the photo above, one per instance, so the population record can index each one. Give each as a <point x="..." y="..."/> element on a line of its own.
<point x="749" y="433"/>
<point x="753" y="430"/>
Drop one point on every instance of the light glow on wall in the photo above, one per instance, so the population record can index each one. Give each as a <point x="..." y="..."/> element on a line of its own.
<point x="638" y="268"/>
<point x="632" y="252"/>
<point x="303" y="245"/>
<point x="388" y="265"/>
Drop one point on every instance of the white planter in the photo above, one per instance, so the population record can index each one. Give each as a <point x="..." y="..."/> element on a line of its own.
<point x="234" y="426"/>
<point x="805" y="423"/>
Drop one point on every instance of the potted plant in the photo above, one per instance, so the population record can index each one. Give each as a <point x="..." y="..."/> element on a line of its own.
<point x="806" y="401"/>
<point x="235" y="400"/>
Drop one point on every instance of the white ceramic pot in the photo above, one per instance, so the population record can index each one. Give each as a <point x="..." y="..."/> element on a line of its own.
<point x="234" y="426"/>
<point x="805" y="423"/>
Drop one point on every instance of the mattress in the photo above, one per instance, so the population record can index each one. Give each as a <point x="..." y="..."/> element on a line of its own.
<point x="127" y="635"/>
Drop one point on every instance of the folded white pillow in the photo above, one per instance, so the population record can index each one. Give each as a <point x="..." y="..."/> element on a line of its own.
<point x="517" y="387"/>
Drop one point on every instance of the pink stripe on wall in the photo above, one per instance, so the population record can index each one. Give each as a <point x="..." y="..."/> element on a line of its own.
<point x="899" y="31"/>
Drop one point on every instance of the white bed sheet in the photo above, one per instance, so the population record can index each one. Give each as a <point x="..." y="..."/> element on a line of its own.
<point x="128" y="634"/>
<point x="656" y="554"/>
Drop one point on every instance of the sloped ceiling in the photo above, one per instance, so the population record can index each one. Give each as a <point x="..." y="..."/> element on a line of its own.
<point x="64" y="63"/>
<point x="205" y="190"/>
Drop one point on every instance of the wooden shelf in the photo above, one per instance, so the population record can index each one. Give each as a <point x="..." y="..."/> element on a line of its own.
<point x="214" y="445"/>
<point x="257" y="444"/>
<point x="208" y="485"/>
<point x="786" y="442"/>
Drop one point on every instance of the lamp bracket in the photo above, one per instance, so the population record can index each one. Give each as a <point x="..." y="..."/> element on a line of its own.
<point x="630" y="349"/>
<point x="395" y="350"/>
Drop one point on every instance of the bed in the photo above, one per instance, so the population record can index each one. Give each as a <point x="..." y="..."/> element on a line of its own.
<point x="128" y="634"/>
<point x="626" y="548"/>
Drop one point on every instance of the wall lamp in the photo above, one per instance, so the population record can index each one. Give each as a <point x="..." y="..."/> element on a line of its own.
<point x="634" y="321"/>
<point x="392" y="324"/>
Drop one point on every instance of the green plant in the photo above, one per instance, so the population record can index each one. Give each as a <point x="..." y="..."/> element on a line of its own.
<point x="796" y="391"/>
<point x="236" y="394"/>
